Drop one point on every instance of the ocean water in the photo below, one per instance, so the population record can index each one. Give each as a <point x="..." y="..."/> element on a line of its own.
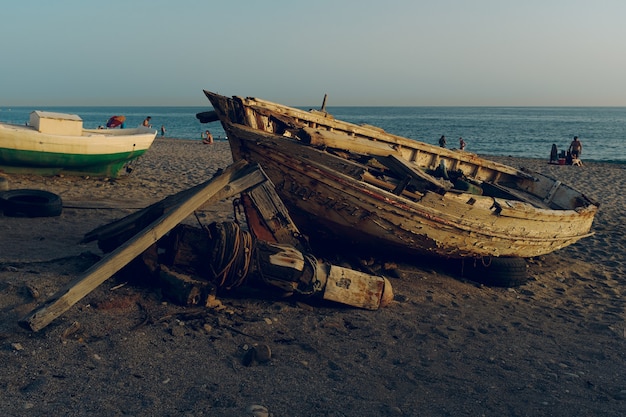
<point x="515" y="131"/>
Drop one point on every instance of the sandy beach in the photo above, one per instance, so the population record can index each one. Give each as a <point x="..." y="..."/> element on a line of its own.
<point x="555" y="346"/>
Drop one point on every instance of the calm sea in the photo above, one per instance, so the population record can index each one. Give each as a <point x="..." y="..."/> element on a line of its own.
<point x="516" y="131"/>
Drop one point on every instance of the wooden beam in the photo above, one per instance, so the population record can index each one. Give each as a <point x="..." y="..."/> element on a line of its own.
<point x="339" y="140"/>
<point x="134" y="222"/>
<point x="116" y="260"/>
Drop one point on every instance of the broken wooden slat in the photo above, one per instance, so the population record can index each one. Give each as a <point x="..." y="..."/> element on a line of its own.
<point x="370" y="179"/>
<point x="501" y="191"/>
<point x="399" y="189"/>
<point x="405" y="168"/>
<point x="267" y="213"/>
<point x="112" y="263"/>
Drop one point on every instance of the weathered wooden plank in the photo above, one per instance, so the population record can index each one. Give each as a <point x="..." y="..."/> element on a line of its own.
<point x="320" y="137"/>
<point x="131" y="224"/>
<point x="116" y="260"/>
<point x="525" y="210"/>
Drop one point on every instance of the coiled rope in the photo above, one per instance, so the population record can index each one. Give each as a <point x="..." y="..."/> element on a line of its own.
<point x="230" y="253"/>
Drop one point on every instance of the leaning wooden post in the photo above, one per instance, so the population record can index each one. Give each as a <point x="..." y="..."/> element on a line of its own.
<point x="116" y="260"/>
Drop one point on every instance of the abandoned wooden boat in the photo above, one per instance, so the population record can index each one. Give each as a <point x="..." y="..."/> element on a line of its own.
<point x="364" y="185"/>
<point x="54" y="143"/>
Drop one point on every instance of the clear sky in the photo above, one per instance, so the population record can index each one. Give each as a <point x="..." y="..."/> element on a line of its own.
<point x="359" y="52"/>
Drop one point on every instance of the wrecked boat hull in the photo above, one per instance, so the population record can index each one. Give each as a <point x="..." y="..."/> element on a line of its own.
<point x="301" y="152"/>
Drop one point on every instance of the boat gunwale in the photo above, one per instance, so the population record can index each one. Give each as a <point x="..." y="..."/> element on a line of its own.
<point x="473" y="162"/>
<point x="379" y="135"/>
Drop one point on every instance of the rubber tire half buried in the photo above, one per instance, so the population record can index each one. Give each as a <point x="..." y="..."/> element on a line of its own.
<point x="30" y="203"/>
<point x="497" y="272"/>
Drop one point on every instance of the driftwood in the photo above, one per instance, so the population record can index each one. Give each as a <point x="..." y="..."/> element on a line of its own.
<point x="146" y="227"/>
<point x="186" y="249"/>
<point x="112" y="263"/>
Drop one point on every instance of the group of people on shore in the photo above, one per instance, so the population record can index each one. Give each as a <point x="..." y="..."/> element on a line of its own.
<point x="147" y="123"/>
<point x="443" y="142"/>
<point x="207" y="137"/>
<point x="569" y="157"/>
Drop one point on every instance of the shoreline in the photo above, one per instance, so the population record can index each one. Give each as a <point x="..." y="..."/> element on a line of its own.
<point x="482" y="155"/>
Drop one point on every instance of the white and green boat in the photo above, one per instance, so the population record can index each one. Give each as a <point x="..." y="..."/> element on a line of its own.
<point x="56" y="143"/>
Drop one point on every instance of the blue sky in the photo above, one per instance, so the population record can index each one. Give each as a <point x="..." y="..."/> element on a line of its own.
<point x="359" y="52"/>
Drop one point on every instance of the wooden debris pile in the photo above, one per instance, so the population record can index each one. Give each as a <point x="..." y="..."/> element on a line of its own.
<point x="193" y="264"/>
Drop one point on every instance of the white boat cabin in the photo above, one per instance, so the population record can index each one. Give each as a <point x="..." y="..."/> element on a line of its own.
<point x="56" y="123"/>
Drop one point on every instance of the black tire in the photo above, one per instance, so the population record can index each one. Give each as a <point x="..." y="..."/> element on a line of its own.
<point x="30" y="203"/>
<point x="497" y="272"/>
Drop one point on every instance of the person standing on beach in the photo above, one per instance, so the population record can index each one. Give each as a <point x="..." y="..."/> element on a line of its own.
<point x="146" y="122"/>
<point x="162" y="130"/>
<point x="442" y="141"/>
<point x="461" y="144"/>
<point x="576" y="148"/>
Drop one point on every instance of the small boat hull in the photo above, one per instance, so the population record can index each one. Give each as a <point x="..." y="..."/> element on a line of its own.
<point x="97" y="152"/>
<point x="48" y="163"/>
